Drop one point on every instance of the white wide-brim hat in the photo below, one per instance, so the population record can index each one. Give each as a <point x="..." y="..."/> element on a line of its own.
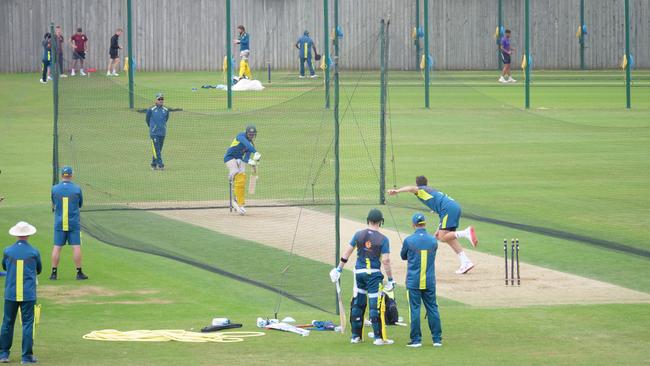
<point x="22" y="229"/>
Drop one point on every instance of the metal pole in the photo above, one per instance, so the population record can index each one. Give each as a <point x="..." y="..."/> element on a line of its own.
<point x="382" y="116"/>
<point x="498" y="32"/>
<point x="426" y="54"/>
<point x="129" y="26"/>
<point x="582" y="35"/>
<point x="337" y="198"/>
<point x="326" y="54"/>
<point x="417" y="38"/>
<point x="228" y="55"/>
<point x="55" y="109"/>
<point x="628" y="67"/>
<point x="527" y="50"/>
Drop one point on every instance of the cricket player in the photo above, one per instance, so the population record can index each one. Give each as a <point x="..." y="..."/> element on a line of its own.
<point x="79" y="43"/>
<point x="372" y="252"/>
<point x="449" y="212"/>
<point x="506" y="52"/>
<point x="47" y="57"/>
<point x="305" y="44"/>
<point x="419" y="249"/>
<point x="242" y="149"/>
<point x="22" y="263"/>
<point x="113" y="52"/>
<point x="67" y="199"/>
<point x="243" y="40"/>
<point x="156" y="119"/>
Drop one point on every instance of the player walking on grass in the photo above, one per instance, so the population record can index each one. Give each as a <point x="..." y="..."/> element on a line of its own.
<point x="305" y="44"/>
<point x="22" y="263"/>
<point x="506" y="53"/>
<point x="242" y="149"/>
<point x="47" y="57"/>
<point x="156" y="119"/>
<point x="449" y="212"/>
<point x="58" y="37"/>
<point x="419" y="249"/>
<point x="244" y="52"/>
<point x="113" y="51"/>
<point x="78" y="41"/>
<point x="373" y="251"/>
<point x="67" y="199"/>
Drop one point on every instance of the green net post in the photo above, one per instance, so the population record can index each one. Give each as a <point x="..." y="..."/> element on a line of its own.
<point x="628" y="66"/>
<point x="417" y="38"/>
<point x="426" y="54"/>
<point x="228" y="55"/>
<point x="383" y="35"/>
<point x="337" y="166"/>
<point x="582" y="35"/>
<point x="527" y="50"/>
<point x="55" y="104"/>
<point x="129" y="26"/>
<point x="498" y="32"/>
<point x="326" y="48"/>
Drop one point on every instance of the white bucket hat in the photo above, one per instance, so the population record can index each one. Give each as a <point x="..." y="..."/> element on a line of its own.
<point x="22" y="229"/>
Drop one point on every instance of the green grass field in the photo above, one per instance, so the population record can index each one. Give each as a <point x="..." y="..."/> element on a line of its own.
<point x="577" y="162"/>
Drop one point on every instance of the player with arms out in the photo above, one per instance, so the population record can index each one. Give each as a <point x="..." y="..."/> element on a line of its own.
<point x="373" y="251"/>
<point x="449" y="212"/>
<point x="242" y="149"/>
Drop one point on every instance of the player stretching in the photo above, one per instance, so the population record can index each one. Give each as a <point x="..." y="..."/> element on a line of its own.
<point x="449" y="212"/>
<point x="372" y="252"/>
<point x="241" y="150"/>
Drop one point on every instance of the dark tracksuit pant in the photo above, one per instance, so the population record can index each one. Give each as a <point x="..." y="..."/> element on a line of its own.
<point x="157" y="146"/>
<point x="428" y="297"/>
<point x="302" y="66"/>
<point x="8" y="322"/>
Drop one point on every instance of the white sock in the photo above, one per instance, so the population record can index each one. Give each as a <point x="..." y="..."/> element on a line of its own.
<point x="462" y="233"/>
<point x="463" y="258"/>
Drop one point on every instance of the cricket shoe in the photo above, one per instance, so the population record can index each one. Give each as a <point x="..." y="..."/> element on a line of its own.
<point x="314" y="76"/>
<point x="502" y="80"/>
<point x="82" y="73"/>
<point x="240" y="209"/>
<point x="72" y="73"/>
<point x="382" y="342"/>
<point x="472" y="236"/>
<point x="464" y="268"/>
<point x="63" y="75"/>
<point x="355" y="340"/>
<point x="109" y="74"/>
<point x="81" y="276"/>
<point x="53" y="276"/>
<point x="437" y="344"/>
<point x="301" y="77"/>
<point x="414" y="344"/>
<point x="42" y="81"/>
<point x="115" y="74"/>
<point x="511" y="80"/>
<point x="4" y="359"/>
<point x="49" y="77"/>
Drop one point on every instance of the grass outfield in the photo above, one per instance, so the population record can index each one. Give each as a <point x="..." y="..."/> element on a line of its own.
<point x="577" y="162"/>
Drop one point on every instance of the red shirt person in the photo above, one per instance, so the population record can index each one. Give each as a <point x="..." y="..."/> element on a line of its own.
<point x="78" y="42"/>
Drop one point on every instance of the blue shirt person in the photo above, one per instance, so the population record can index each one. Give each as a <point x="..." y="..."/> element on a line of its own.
<point x="243" y="39"/>
<point x="372" y="253"/>
<point x="67" y="200"/>
<point x="449" y="213"/>
<point x="506" y="53"/>
<point x="241" y="151"/>
<point x="22" y="263"/>
<point x="304" y="45"/>
<point x="156" y="119"/>
<point x="47" y="57"/>
<point x="419" y="249"/>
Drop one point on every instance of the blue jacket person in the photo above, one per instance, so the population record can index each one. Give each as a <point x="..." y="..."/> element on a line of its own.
<point x="22" y="263"/>
<point x="156" y="119"/>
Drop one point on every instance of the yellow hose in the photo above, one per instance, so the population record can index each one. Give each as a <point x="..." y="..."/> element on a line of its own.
<point x="165" y="335"/>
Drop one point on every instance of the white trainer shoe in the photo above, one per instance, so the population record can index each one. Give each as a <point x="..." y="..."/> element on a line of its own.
<point x="49" y="77"/>
<point x="72" y="73"/>
<point x="502" y="80"/>
<point x="382" y="342"/>
<point x="437" y="344"/>
<point x="115" y="74"/>
<point x="109" y="74"/>
<point x="511" y="80"/>
<point x="63" y="75"/>
<point x="472" y="236"/>
<point x="465" y="268"/>
<point x="301" y="76"/>
<point x="314" y="76"/>
<point x="355" y="340"/>
<point x="42" y="81"/>
<point x="82" y="73"/>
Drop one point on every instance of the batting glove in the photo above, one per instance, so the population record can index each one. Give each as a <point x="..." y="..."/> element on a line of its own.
<point x="390" y="285"/>
<point x="335" y="274"/>
<point x="257" y="156"/>
<point x="252" y="162"/>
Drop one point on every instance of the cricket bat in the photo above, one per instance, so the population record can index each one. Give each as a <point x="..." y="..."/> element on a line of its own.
<point x="342" y="317"/>
<point x="253" y="181"/>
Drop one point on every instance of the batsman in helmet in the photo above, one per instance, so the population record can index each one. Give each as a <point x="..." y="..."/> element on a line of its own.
<point x="241" y="151"/>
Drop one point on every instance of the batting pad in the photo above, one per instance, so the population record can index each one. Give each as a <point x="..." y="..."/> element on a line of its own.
<point x="239" y="186"/>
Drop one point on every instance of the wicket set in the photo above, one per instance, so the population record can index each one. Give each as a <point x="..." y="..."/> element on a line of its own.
<point x="514" y="256"/>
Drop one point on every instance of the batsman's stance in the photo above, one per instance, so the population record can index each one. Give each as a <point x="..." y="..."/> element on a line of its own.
<point x="241" y="150"/>
<point x="448" y="211"/>
<point x="372" y="251"/>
